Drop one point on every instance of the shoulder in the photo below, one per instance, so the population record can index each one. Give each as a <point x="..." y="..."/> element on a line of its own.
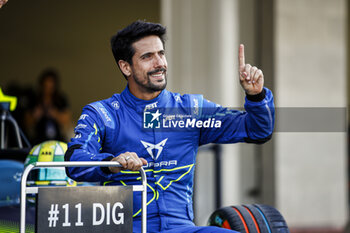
<point x="190" y="100"/>
<point x="105" y="110"/>
<point x="108" y="104"/>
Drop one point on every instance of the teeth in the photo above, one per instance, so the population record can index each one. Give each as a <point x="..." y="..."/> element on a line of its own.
<point x="157" y="75"/>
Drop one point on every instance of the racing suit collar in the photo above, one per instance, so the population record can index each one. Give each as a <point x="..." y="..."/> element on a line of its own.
<point x="137" y="103"/>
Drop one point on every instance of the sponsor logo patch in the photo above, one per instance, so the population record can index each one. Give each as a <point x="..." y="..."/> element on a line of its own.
<point x="115" y="105"/>
<point x="83" y="116"/>
<point x="152" y="147"/>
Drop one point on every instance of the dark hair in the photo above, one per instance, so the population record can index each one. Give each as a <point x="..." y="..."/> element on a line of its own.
<point x="49" y="73"/>
<point x="121" y="42"/>
<point x="58" y="98"/>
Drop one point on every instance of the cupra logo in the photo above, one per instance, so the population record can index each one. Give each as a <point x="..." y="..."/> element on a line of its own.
<point x="150" y="147"/>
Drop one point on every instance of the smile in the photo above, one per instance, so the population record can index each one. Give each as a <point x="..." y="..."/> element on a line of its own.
<point x="157" y="74"/>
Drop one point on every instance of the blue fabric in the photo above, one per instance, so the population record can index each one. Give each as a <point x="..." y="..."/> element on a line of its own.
<point x="116" y="125"/>
<point x="174" y="225"/>
<point x="209" y="229"/>
<point x="10" y="182"/>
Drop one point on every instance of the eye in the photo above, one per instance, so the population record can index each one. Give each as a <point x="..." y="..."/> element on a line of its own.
<point x="162" y="52"/>
<point x="145" y="56"/>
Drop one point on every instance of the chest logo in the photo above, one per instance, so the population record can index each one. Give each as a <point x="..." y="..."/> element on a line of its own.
<point x="151" y="148"/>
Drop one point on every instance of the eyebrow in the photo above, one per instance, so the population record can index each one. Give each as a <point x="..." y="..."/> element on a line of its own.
<point x="149" y="53"/>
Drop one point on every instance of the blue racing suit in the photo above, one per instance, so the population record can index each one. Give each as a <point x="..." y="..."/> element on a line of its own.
<point x="166" y="131"/>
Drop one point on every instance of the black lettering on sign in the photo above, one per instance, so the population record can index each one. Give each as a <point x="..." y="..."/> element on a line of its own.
<point x="84" y="209"/>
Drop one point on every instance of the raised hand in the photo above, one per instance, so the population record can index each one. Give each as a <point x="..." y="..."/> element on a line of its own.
<point x="251" y="78"/>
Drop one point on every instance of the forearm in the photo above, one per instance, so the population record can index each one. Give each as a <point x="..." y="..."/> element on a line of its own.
<point x="260" y="118"/>
<point x="75" y="152"/>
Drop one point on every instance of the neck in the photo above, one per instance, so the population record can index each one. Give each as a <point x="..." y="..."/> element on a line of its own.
<point x="140" y="93"/>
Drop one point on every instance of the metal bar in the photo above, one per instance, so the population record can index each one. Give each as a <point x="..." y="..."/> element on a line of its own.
<point x="144" y="201"/>
<point x="78" y="164"/>
<point x="25" y="139"/>
<point x="13" y="121"/>
<point x="32" y="190"/>
<point x="6" y="116"/>
<point x="137" y="188"/>
<point x="218" y="178"/>
<point x="3" y="118"/>
<point x="23" y="197"/>
<point x="35" y="190"/>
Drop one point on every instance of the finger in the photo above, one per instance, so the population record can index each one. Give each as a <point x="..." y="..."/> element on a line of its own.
<point x="144" y="161"/>
<point x="260" y="76"/>
<point x="247" y="71"/>
<point x="130" y="163"/>
<point x="121" y="159"/>
<point x="115" y="169"/>
<point x="241" y="57"/>
<point x="136" y="157"/>
<point x="127" y="156"/>
<point x="243" y="75"/>
<point x="137" y="161"/>
<point x="253" y="71"/>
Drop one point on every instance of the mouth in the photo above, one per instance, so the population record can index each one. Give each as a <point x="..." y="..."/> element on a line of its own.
<point x="157" y="74"/>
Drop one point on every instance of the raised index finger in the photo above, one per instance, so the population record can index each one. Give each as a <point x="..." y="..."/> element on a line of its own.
<point x="241" y="56"/>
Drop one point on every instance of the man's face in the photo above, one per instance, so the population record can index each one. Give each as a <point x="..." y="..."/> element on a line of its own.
<point x="149" y="64"/>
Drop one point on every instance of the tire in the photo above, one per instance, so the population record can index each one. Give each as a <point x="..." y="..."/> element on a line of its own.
<point x="259" y="218"/>
<point x="254" y="218"/>
<point x="274" y="218"/>
<point x="228" y="218"/>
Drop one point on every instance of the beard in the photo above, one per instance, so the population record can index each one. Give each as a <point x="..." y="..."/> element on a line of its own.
<point x="155" y="86"/>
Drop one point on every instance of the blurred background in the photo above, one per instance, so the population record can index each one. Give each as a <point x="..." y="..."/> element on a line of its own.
<point x="301" y="45"/>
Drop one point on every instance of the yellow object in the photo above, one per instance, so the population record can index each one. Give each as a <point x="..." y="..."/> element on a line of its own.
<point x="48" y="151"/>
<point x="12" y="100"/>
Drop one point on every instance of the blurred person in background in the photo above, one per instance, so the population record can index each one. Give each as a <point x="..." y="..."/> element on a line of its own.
<point x="50" y="117"/>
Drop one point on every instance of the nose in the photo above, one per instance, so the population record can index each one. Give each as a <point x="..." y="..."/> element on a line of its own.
<point x="160" y="61"/>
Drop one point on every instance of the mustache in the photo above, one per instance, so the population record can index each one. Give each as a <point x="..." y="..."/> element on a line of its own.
<point x="156" y="71"/>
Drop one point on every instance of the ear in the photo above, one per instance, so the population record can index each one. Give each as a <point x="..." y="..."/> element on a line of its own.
<point x="125" y="67"/>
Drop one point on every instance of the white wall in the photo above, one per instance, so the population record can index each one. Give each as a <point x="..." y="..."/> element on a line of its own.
<point x="311" y="72"/>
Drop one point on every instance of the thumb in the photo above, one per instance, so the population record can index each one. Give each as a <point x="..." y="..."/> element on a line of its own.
<point x="144" y="161"/>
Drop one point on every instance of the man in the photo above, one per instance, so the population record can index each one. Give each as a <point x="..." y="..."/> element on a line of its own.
<point x="146" y="125"/>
